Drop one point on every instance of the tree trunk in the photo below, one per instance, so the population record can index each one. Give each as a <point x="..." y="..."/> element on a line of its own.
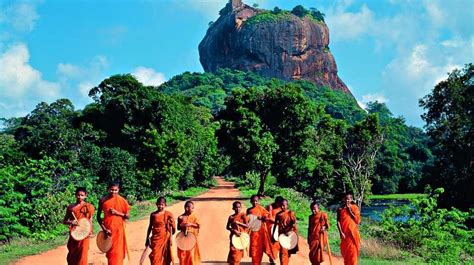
<point x="261" y="188"/>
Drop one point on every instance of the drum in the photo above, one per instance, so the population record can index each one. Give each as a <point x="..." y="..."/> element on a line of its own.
<point x="290" y="241"/>
<point x="242" y="241"/>
<point x="254" y="223"/>
<point x="185" y="241"/>
<point x="104" y="242"/>
<point x="82" y="230"/>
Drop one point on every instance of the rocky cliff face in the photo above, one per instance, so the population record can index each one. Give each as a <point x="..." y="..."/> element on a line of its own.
<point x="275" y="45"/>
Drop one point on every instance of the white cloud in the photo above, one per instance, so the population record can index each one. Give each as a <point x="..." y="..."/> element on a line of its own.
<point x="210" y="8"/>
<point x="18" y="77"/>
<point x="85" y="87"/>
<point x="379" y="97"/>
<point x="83" y="77"/>
<point x="346" y="25"/>
<point x="148" y="76"/>
<point x="21" y="16"/>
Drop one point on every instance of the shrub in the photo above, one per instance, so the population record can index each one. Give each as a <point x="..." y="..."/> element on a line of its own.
<point x="437" y="235"/>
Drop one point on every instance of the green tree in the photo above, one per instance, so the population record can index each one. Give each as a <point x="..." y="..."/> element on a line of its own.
<point x="300" y="11"/>
<point x="449" y="120"/>
<point x="247" y="141"/>
<point x="403" y="154"/>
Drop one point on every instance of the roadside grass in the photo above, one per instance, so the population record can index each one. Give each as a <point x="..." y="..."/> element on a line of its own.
<point x="396" y="196"/>
<point x="20" y="247"/>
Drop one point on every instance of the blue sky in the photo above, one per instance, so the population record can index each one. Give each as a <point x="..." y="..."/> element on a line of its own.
<point x="393" y="51"/>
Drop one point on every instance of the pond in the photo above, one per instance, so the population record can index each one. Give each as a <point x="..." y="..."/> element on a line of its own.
<point x="377" y="206"/>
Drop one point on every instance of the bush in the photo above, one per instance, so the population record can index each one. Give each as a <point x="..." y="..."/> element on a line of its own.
<point x="437" y="235"/>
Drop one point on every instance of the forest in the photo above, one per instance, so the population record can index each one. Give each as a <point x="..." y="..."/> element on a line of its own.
<point x="180" y="134"/>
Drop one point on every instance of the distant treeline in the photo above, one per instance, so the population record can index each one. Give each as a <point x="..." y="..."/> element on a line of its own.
<point x="196" y="125"/>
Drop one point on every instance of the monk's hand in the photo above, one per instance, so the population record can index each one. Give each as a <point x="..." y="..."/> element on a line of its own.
<point x="323" y="229"/>
<point x="108" y="232"/>
<point x="237" y="232"/>
<point x="74" y="223"/>
<point x="115" y="212"/>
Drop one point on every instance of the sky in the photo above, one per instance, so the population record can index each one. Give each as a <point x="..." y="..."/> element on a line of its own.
<point x="392" y="51"/>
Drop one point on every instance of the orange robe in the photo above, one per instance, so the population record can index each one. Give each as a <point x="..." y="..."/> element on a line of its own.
<point x="193" y="256"/>
<point x="116" y="224"/>
<point x="162" y="233"/>
<point x="316" y="239"/>
<point x="260" y="240"/>
<point x="350" y="246"/>
<point x="286" y="219"/>
<point x="235" y="255"/>
<point x="274" y="243"/>
<point x="77" y="254"/>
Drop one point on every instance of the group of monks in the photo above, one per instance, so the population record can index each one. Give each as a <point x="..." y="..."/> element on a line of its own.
<point x="276" y="216"/>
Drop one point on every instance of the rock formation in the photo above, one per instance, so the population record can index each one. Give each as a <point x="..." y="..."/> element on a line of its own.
<point x="273" y="44"/>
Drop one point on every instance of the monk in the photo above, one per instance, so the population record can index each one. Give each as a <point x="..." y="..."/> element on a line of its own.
<point x="286" y="222"/>
<point x="236" y="224"/>
<point x="348" y="218"/>
<point x="259" y="240"/>
<point x="162" y="227"/>
<point x="116" y="211"/>
<point x="274" y="209"/>
<point x="318" y="224"/>
<point x="77" y="250"/>
<point x="189" y="222"/>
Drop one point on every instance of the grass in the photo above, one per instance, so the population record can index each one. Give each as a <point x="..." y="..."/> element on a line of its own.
<point x="406" y="196"/>
<point x="21" y="246"/>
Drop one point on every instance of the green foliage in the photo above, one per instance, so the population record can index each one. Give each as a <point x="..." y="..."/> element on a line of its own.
<point x="438" y="235"/>
<point x="450" y="125"/>
<point x="32" y="198"/>
<point x="279" y="131"/>
<point x="317" y="15"/>
<point x="268" y="17"/>
<point x="403" y="155"/>
<point x="300" y="11"/>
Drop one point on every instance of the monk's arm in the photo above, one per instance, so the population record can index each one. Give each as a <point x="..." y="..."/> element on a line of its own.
<point x="125" y="215"/>
<point x="341" y="234"/>
<point x="67" y="218"/>
<point x="326" y="221"/>
<point x="99" y="219"/>
<point x="148" y="231"/>
<point x="228" y="226"/>
<point x="309" y="229"/>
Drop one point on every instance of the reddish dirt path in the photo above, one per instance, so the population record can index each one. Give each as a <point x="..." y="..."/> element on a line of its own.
<point x="212" y="207"/>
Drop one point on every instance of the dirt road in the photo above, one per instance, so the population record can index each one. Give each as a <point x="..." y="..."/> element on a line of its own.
<point x="212" y="207"/>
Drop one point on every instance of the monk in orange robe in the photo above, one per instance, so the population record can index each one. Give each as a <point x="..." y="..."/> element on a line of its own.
<point x="188" y="221"/>
<point x="162" y="228"/>
<point x="77" y="250"/>
<point x="348" y="218"/>
<point x="236" y="224"/>
<point x="116" y="211"/>
<point x="274" y="209"/>
<point x="259" y="240"/>
<point x="286" y="222"/>
<point x="317" y="237"/>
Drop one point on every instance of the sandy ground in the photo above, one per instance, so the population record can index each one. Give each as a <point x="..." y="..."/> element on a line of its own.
<point x="213" y="209"/>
